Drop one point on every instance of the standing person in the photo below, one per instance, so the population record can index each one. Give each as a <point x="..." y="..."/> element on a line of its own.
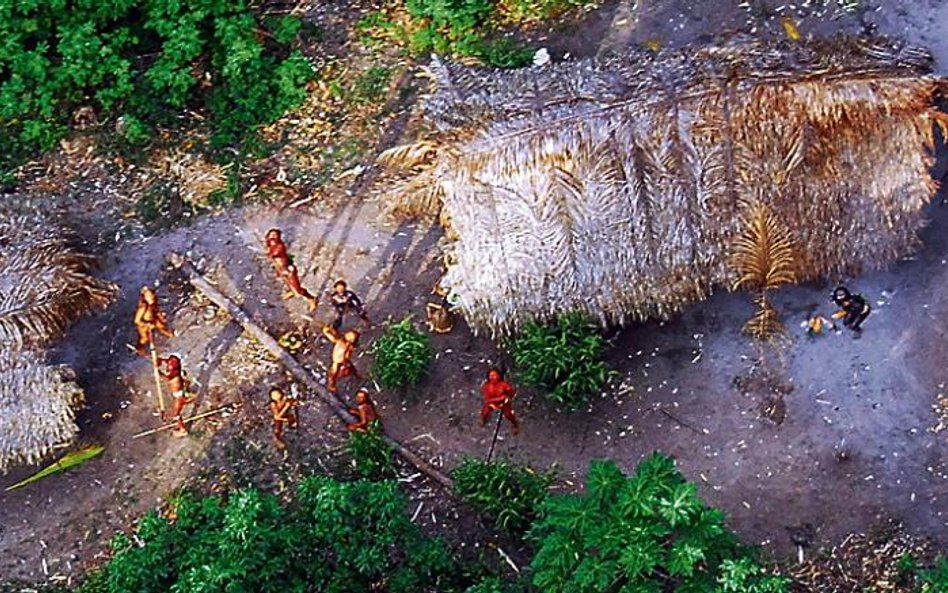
<point x="170" y="369"/>
<point x="344" y="300"/>
<point x="364" y="411"/>
<point x="343" y="346"/>
<point x="285" y="269"/>
<point x="148" y="318"/>
<point x="497" y="396"/>
<point x="854" y="308"/>
<point x="281" y="407"/>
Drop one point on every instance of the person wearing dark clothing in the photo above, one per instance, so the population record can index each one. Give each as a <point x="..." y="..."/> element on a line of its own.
<point x="344" y="300"/>
<point x="853" y="308"/>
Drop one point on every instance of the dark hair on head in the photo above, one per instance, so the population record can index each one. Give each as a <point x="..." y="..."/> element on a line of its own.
<point x="496" y="370"/>
<point x="340" y="282"/>
<point x="841" y="293"/>
<point x="275" y="230"/>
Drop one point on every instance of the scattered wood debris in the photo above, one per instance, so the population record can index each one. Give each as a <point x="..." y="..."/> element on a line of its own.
<point x="877" y="562"/>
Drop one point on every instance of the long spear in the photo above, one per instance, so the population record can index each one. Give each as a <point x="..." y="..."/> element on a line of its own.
<point x="186" y="420"/>
<point x="154" y="366"/>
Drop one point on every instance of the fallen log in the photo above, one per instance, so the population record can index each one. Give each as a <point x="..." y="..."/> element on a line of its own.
<point x="302" y="375"/>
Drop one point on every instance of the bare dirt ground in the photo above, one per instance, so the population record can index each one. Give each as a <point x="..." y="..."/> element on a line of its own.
<point x="852" y="447"/>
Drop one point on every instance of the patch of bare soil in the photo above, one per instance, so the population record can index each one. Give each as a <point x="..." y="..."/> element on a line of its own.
<point x="832" y="432"/>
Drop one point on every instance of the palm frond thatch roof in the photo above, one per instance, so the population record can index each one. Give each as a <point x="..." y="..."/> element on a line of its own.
<point x="616" y="187"/>
<point x="37" y="403"/>
<point x="44" y="285"/>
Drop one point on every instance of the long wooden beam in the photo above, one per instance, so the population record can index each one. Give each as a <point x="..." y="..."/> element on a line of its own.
<point x="302" y="375"/>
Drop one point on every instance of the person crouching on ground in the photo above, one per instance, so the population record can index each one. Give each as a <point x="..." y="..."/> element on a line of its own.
<point x="364" y="411"/>
<point x="854" y="308"/>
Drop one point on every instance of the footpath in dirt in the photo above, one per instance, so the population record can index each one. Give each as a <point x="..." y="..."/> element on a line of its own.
<point x="839" y="439"/>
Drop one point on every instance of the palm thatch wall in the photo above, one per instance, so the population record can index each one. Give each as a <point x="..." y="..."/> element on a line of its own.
<point x="44" y="287"/>
<point x="616" y="187"/>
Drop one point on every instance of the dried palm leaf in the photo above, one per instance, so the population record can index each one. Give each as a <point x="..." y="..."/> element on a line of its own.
<point x="763" y="254"/>
<point x="409" y="155"/>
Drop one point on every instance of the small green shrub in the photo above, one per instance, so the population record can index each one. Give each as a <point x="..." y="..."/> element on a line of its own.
<point x="402" y="355"/>
<point x="463" y="27"/>
<point x="645" y="532"/>
<point x="508" y="493"/>
<point x="936" y="579"/>
<point x="371" y="454"/>
<point x="527" y="11"/>
<point x="370" y="86"/>
<point x="505" y="53"/>
<point x="563" y="359"/>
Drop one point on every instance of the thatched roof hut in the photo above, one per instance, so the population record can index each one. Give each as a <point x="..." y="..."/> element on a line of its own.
<point x="44" y="287"/>
<point x="616" y="186"/>
<point x="37" y="404"/>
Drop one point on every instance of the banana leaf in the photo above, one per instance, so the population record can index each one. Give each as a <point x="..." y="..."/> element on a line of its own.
<point x="67" y="461"/>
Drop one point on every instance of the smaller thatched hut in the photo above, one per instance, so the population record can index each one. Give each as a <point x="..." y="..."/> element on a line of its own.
<point x="44" y="287"/>
<point x="37" y="404"/>
<point x="616" y="187"/>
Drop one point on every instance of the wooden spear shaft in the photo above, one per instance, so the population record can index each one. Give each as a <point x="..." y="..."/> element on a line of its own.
<point x="154" y="366"/>
<point x="292" y="365"/>
<point x="185" y="420"/>
<point x="493" y="441"/>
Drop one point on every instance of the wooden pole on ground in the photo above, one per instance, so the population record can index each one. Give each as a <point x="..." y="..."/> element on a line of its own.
<point x="292" y="365"/>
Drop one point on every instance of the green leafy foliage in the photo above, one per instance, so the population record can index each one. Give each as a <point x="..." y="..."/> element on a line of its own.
<point x="337" y="537"/>
<point x="370" y="86"/>
<point x="505" y="53"/>
<point x="371" y="455"/>
<point x="562" y="359"/>
<point x="936" y="579"/>
<point x="527" y="11"/>
<point x="647" y="532"/>
<point x="508" y="493"/>
<point x="402" y="354"/>
<point x="463" y="27"/>
<point x="147" y="60"/>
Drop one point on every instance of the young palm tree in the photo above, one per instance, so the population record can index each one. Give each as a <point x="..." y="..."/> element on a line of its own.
<point x="762" y="256"/>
